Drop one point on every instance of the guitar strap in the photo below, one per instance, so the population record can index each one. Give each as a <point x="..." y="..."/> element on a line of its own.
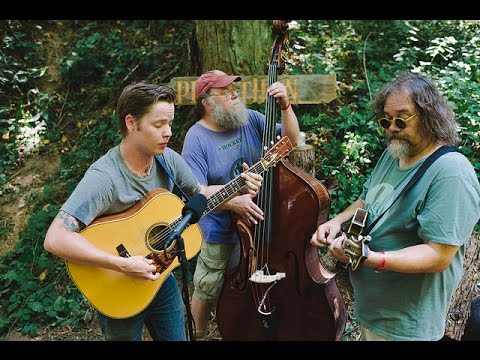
<point x="426" y="164"/>
<point x="161" y="160"/>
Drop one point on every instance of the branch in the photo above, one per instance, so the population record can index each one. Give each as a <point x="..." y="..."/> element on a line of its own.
<point x="365" y="66"/>
<point x="60" y="116"/>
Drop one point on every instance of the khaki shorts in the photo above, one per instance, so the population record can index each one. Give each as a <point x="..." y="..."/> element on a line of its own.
<point x="212" y="262"/>
<point x="367" y="335"/>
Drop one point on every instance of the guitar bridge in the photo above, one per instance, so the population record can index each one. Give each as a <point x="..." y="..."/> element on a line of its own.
<point x="161" y="261"/>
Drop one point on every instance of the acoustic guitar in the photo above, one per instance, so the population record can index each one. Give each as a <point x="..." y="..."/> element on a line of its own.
<point x="143" y="230"/>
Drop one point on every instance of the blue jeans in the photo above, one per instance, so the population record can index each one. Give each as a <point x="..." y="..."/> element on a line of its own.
<point x="163" y="317"/>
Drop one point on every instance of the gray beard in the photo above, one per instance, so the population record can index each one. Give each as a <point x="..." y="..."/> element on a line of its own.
<point x="398" y="148"/>
<point x="232" y="119"/>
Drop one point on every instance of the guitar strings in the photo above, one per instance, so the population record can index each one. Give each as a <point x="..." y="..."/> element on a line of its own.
<point x="264" y="201"/>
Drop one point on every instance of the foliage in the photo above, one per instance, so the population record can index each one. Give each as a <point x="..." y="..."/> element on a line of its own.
<point x="102" y="58"/>
<point x="30" y="283"/>
<point x="23" y="107"/>
<point x="366" y="54"/>
<point x="107" y="55"/>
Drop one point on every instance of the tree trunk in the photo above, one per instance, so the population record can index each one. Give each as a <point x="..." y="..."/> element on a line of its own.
<point x="303" y="156"/>
<point x="460" y="305"/>
<point x="234" y="46"/>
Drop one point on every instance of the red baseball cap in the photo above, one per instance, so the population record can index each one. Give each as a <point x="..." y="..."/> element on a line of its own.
<point x="213" y="79"/>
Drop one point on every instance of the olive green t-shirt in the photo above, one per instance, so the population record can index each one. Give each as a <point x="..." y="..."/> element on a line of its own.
<point x="442" y="207"/>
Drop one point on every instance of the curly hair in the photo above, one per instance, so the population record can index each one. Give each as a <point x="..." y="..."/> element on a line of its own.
<point x="437" y="119"/>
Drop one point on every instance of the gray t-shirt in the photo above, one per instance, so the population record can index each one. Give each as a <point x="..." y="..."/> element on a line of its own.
<point x="110" y="187"/>
<point x="442" y="207"/>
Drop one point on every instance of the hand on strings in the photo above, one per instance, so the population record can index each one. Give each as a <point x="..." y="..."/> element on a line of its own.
<point x="245" y="207"/>
<point x="337" y="250"/>
<point x="252" y="181"/>
<point x="325" y="233"/>
<point x="140" y="266"/>
<point x="279" y="92"/>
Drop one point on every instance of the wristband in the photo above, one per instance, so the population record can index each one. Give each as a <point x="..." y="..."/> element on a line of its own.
<point x="286" y="107"/>
<point x="381" y="267"/>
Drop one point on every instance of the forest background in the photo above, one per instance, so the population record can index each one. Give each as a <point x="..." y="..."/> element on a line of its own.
<point x="60" y="79"/>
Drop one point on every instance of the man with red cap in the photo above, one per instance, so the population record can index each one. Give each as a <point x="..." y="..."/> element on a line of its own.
<point x="224" y="141"/>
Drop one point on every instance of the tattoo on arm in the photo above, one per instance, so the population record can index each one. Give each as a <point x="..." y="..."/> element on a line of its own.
<point x="69" y="222"/>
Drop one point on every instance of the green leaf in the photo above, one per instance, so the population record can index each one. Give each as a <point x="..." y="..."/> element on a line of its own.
<point x="36" y="306"/>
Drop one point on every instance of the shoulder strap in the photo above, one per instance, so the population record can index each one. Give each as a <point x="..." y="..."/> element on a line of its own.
<point x="426" y="164"/>
<point x="161" y="160"/>
<point x="421" y="170"/>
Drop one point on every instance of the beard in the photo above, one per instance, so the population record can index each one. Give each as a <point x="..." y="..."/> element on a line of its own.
<point x="229" y="118"/>
<point x="398" y="148"/>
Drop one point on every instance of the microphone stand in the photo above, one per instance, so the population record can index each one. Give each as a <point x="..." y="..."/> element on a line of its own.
<point x="182" y="259"/>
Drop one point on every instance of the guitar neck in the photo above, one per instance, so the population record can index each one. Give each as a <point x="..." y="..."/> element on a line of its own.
<point x="278" y="151"/>
<point x="231" y="188"/>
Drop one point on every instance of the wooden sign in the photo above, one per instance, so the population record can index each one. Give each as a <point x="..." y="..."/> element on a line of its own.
<point x="302" y="89"/>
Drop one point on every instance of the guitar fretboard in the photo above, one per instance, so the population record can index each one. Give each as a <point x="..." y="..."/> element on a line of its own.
<point x="279" y="150"/>
<point x="230" y="188"/>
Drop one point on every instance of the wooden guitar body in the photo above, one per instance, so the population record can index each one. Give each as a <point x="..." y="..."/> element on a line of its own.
<point x="116" y="294"/>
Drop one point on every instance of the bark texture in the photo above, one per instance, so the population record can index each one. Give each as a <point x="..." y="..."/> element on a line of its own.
<point x="466" y="290"/>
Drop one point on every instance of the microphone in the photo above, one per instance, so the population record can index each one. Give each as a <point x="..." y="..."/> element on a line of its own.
<point x="192" y="212"/>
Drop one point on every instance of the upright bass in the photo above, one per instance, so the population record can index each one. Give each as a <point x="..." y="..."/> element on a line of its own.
<point x="277" y="291"/>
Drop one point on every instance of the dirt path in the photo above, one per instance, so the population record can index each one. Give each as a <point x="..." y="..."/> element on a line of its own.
<point x="28" y="180"/>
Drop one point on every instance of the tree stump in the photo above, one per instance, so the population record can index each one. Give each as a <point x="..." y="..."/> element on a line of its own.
<point x="303" y="156"/>
<point x="466" y="290"/>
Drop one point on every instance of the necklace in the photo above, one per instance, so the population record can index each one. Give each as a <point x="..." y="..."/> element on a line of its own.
<point x="146" y="172"/>
<point x="421" y="151"/>
<point x="412" y="159"/>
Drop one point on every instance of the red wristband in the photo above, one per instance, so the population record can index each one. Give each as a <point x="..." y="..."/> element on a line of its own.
<point x="286" y="107"/>
<point x="381" y="267"/>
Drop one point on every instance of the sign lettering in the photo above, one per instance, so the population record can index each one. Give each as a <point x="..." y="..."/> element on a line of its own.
<point x="302" y="89"/>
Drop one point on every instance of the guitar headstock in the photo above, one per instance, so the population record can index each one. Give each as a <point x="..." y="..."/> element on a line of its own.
<point x="277" y="152"/>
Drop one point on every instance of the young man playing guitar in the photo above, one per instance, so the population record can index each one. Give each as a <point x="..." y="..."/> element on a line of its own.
<point x="116" y="182"/>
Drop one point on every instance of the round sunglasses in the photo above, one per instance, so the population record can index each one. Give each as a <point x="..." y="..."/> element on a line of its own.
<point x="399" y="122"/>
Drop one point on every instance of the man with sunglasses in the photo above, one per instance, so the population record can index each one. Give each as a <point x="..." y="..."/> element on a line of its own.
<point x="415" y="258"/>
<point x="225" y="137"/>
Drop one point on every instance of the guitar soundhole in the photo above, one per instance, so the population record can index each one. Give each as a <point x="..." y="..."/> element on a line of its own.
<point x="156" y="237"/>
